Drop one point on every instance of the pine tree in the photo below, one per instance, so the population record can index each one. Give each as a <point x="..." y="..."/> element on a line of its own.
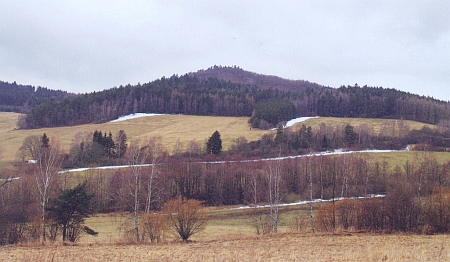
<point x="70" y="210"/>
<point x="214" y="144"/>
<point x="350" y="135"/>
<point x="45" y="140"/>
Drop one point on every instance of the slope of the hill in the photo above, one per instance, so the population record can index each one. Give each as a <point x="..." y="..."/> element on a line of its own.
<point x="201" y="94"/>
<point x="170" y="128"/>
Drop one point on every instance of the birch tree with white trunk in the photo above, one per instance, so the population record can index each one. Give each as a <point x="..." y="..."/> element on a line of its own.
<point x="48" y="161"/>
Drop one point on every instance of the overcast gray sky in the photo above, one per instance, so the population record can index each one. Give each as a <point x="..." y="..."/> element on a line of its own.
<point x="82" y="46"/>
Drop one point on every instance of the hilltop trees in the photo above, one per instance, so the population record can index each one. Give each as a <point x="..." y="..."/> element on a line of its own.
<point x="270" y="105"/>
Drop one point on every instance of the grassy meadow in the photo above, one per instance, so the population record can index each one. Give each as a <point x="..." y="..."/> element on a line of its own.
<point x="187" y="128"/>
<point x="229" y="236"/>
<point x="376" y="123"/>
<point x="169" y="127"/>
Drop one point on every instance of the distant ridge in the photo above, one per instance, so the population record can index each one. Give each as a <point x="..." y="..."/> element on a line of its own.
<point x="232" y="91"/>
<point x="236" y="74"/>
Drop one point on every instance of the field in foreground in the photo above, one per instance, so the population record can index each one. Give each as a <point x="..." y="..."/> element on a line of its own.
<point x="229" y="236"/>
<point x="280" y="247"/>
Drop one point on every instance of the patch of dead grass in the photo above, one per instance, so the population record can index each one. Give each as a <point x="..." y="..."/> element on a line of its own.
<point x="279" y="247"/>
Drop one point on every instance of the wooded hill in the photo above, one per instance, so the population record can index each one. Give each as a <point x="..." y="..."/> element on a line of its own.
<point x="231" y="91"/>
<point x="22" y="98"/>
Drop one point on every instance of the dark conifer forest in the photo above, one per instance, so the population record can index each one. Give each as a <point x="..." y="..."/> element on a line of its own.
<point x="21" y="98"/>
<point x="220" y="91"/>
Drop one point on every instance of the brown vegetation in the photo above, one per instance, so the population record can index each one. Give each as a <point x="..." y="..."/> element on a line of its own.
<point x="281" y="247"/>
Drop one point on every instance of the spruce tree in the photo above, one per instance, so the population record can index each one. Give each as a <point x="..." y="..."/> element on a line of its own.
<point x="214" y="144"/>
<point x="45" y="141"/>
<point x="70" y="210"/>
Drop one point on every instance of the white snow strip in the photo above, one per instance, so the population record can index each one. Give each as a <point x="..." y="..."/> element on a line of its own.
<point x="100" y="168"/>
<point x="132" y="116"/>
<point x="9" y="179"/>
<point x="327" y="153"/>
<point x="298" y="120"/>
<point x="304" y="202"/>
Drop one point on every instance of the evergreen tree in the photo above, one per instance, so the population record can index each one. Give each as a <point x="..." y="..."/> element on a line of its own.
<point x="324" y="143"/>
<point x="280" y="135"/>
<point x="45" y="141"/>
<point x="70" y="210"/>
<point x="214" y="144"/>
<point x="350" y="135"/>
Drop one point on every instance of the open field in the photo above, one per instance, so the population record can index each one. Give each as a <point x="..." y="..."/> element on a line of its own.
<point x="231" y="238"/>
<point x="394" y="159"/>
<point x="169" y="127"/>
<point x="376" y="123"/>
<point x="186" y="128"/>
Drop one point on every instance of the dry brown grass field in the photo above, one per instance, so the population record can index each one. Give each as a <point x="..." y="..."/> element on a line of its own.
<point x="230" y="237"/>
<point x="376" y="123"/>
<point x="169" y="127"/>
<point x="187" y="128"/>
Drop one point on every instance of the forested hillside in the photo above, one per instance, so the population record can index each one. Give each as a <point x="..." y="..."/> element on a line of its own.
<point x="237" y="93"/>
<point x="174" y="95"/>
<point x="238" y="75"/>
<point x="21" y="98"/>
<point x="346" y="101"/>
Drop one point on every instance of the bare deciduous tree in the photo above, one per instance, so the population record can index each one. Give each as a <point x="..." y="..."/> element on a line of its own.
<point x="48" y="161"/>
<point x="185" y="217"/>
<point x="273" y="175"/>
<point x="137" y="156"/>
<point x="6" y="178"/>
<point x="155" y="148"/>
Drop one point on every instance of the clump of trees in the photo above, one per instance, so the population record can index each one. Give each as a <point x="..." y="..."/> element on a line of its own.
<point x="399" y="211"/>
<point x="269" y="113"/>
<point x="96" y="148"/>
<point x="22" y="98"/>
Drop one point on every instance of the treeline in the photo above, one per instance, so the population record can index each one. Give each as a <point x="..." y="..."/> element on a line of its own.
<point x="22" y="98"/>
<point x="393" y="135"/>
<point x="174" y="95"/>
<point x="192" y="96"/>
<point x="378" y="102"/>
<point x="417" y="201"/>
<point x="312" y="99"/>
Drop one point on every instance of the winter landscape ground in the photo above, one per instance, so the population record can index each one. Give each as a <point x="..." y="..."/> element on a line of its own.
<point x="229" y="235"/>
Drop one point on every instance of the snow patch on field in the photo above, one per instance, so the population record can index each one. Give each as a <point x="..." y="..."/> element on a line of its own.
<point x="298" y="120"/>
<point x="304" y="202"/>
<point x="132" y="116"/>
